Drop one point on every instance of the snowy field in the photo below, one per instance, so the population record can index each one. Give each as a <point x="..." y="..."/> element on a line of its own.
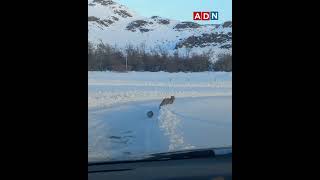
<point x="119" y="128"/>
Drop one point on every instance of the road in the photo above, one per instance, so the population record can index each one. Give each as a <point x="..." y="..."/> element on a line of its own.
<point x="124" y="131"/>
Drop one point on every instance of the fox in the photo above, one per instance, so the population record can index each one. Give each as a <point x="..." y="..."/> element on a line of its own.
<point x="166" y="101"/>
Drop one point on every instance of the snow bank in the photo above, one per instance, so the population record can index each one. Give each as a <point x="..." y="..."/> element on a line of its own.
<point x="110" y="88"/>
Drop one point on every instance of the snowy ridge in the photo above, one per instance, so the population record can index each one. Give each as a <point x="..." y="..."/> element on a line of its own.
<point x="117" y="25"/>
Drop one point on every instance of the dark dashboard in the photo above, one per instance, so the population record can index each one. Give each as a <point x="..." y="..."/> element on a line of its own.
<point x="204" y="166"/>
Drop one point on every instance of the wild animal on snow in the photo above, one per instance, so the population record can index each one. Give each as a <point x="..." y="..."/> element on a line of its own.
<point x="164" y="102"/>
<point x="167" y="101"/>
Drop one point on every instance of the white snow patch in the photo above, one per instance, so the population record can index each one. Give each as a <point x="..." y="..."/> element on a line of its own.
<point x="169" y="123"/>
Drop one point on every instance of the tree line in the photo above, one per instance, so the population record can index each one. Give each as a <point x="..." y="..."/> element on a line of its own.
<point x="104" y="57"/>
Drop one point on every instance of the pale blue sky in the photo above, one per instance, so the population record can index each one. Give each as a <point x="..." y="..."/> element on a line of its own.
<point x="181" y="9"/>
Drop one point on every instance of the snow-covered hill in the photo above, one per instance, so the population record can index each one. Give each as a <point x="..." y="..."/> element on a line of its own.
<point x="112" y="23"/>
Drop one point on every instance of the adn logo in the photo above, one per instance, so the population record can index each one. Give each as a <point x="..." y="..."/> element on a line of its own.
<point x="205" y="16"/>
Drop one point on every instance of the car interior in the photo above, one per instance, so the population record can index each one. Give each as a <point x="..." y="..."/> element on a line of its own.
<point x="206" y="164"/>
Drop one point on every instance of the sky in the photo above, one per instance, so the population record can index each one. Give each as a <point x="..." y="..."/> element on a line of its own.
<point x="181" y="9"/>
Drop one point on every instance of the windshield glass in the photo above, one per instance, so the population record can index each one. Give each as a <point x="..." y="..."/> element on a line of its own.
<point x="156" y="84"/>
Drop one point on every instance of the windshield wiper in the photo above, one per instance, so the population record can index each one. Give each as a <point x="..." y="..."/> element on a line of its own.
<point x="189" y="154"/>
<point x="176" y="155"/>
<point x="181" y="155"/>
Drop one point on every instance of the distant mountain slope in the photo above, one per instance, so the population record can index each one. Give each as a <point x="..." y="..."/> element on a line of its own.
<point x="112" y="23"/>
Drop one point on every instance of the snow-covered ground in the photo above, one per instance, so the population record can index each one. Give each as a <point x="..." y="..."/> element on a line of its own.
<point x="119" y="128"/>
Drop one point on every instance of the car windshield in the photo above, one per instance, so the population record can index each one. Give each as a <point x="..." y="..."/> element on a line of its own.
<point x="152" y="86"/>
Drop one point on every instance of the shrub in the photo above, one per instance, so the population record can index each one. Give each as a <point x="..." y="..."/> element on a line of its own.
<point x="224" y="63"/>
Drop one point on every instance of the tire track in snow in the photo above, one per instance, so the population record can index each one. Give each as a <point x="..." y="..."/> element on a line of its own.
<point x="169" y="123"/>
